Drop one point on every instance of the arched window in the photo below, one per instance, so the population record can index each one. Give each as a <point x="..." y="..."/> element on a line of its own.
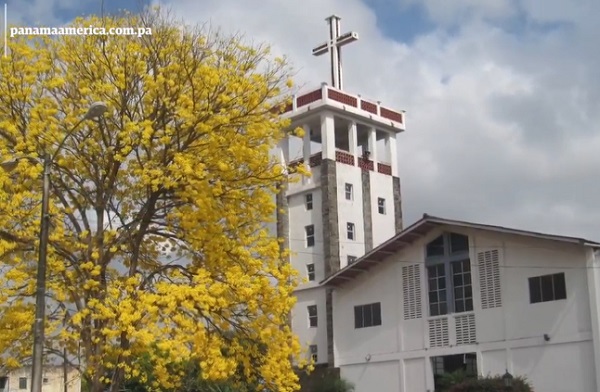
<point x="449" y="274"/>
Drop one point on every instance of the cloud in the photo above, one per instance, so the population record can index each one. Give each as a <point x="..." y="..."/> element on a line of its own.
<point x="40" y="12"/>
<point x="502" y="97"/>
<point x="459" y="11"/>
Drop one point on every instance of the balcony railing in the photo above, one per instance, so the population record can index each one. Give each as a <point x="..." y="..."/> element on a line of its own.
<point x="346" y="158"/>
<point x="354" y="101"/>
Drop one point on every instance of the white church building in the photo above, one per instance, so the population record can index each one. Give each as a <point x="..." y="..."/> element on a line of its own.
<point x="394" y="308"/>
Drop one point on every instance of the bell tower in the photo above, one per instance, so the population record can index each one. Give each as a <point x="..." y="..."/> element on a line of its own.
<point x="351" y="201"/>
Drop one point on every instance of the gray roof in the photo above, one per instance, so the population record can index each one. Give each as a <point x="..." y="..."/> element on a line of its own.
<point x="421" y="228"/>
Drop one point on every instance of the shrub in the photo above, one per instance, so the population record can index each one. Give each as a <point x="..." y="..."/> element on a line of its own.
<point x="334" y="384"/>
<point x="491" y="384"/>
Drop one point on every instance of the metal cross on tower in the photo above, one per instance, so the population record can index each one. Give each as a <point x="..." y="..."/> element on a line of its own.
<point x="334" y="47"/>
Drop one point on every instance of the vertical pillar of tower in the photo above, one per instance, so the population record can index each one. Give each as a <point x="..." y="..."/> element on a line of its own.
<point x="306" y="152"/>
<point x="390" y="143"/>
<point x="372" y="142"/>
<point x="329" y="205"/>
<point x="328" y="136"/>
<point x="352" y="140"/>
<point x="284" y="146"/>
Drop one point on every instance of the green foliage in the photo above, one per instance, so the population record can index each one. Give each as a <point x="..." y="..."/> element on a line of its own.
<point x="448" y="380"/>
<point x="192" y="381"/>
<point x="333" y="384"/>
<point x="490" y="384"/>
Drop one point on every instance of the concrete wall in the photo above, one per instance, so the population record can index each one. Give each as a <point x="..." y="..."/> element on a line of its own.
<point x="307" y="335"/>
<point x="350" y="211"/>
<point x="507" y="337"/>
<point x="299" y="217"/>
<point x="53" y="380"/>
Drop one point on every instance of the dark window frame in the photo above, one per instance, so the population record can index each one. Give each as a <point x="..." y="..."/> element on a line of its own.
<point x="313" y="316"/>
<point x="309" y="232"/>
<point x="381" y="205"/>
<point x="349" y="191"/>
<point x="314" y="352"/>
<point x="367" y="315"/>
<point x="23" y="382"/>
<point x="310" y="272"/>
<point x="308" y="201"/>
<point x="449" y="275"/>
<point x="547" y="288"/>
<point x="351" y="231"/>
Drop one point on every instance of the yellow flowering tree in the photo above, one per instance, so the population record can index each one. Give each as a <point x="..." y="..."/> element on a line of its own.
<point x="158" y="208"/>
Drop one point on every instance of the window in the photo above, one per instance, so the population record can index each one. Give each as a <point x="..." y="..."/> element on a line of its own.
<point x="45" y="380"/>
<point x="22" y="382"/>
<point x="547" y="288"/>
<point x="308" y="201"/>
<point x="381" y="205"/>
<point x="367" y="315"/>
<point x="310" y="235"/>
<point x="437" y="290"/>
<point x="458" y="243"/>
<point x="312" y="316"/>
<point x="436" y="247"/>
<point x="350" y="231"/>
<point x="3" y="382"/>
<point x="349" y="191"/>
<point x="449" y="275"/>
<point x="310" y="272"/>
<point x="314" y="352"/>
<point x="351" y="259"/>
<point x="463" y="291"/>
<point x="467" y="363"/>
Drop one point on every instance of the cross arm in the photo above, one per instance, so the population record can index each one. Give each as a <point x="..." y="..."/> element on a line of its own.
<point x="342" y="40"/>
<point x="321" y="49"/>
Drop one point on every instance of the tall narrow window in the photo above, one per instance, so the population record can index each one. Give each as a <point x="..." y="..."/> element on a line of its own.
<point x="22" y="382"/>
<point x="437" y="290"/>
<point x="349" y="192"/>
<point x="314" y="352"/>
<point x="381" y="205"/>
<point x="350" y="231"/>
<point x="310" y="272"/>
<point x="449" y="275"/>
<point x="310" y="235"/>
<point x="463" y="291"/>
<point x="313" y="320"/>
<point x="308" y="201"/>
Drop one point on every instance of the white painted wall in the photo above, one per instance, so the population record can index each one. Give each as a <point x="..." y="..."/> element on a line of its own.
<point x="383" y="224"/>
<point x="299" y="218"/>
<point x="300" y="326"/>
<point x="53" y="375"/>
<point x="350" y="211"/>
<point x="380" y="377"/>
<point x="509" y="337"/>
<point x="308" y="293"/>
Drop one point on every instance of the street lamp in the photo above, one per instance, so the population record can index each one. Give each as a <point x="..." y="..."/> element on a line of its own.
<point x="94" y="111"/>
<point x="508" y="380"/>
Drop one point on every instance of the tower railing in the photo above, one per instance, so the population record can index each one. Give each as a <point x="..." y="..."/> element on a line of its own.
<point x="340" y="97"/>
<point x="346" y="158"/>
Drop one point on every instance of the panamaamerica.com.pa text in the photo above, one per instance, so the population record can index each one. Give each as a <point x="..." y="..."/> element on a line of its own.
<point x="29" y="31"/>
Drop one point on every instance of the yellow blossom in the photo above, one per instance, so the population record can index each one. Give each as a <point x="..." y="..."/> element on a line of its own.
<point x="157" y="241"/>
